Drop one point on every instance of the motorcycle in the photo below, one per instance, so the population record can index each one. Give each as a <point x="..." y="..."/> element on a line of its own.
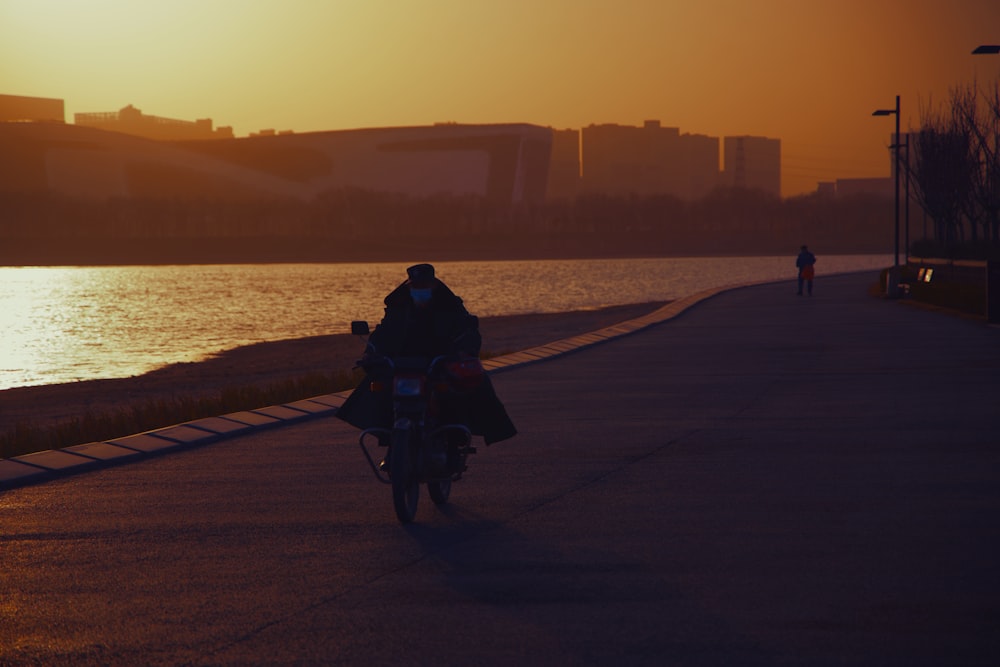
<point x="422" y="448"/>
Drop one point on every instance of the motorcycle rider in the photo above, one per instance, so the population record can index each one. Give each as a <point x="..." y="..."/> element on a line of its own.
<point x="424" y="318"/>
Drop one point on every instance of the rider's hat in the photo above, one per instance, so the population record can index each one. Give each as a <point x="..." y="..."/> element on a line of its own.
<point x="421" y="275"/>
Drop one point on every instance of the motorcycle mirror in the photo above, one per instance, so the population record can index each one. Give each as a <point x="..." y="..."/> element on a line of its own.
<point x="359" y="328"/>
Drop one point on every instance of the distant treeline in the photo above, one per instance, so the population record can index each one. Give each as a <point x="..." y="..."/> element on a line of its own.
<point x="359" y="225"/>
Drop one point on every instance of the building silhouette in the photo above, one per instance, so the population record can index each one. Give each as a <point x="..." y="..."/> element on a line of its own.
<point x="850" y="187"/>
<point x="505" y="163"/>
<point x="753" y="163"/>
<point x="17" y="108"/>
<point x="648" y="160"/>
<point x="130" y="120"/>
<point x="701" y="155"/>
<point x="564" y="165"/>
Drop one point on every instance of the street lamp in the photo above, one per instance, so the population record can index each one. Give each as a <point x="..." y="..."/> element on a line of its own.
<point x="906" y="215"/>
<point x="992" y="269"/>
<point x="895" y="145"/>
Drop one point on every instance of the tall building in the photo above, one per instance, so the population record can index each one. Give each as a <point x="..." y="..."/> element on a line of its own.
<point x="622" y="159"/>
<point x="648" y="160"/>
<point x="701" y="160"/>
<point x="753" y="163"/>
<point x="130" y="120"/>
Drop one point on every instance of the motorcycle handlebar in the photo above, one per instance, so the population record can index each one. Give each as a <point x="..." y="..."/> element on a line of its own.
<point x="374" y="360"/>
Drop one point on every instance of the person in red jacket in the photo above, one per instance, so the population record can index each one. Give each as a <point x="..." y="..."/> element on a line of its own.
<point x="805" y="262"/>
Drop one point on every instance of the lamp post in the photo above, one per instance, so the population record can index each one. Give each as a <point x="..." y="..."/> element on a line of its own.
<point x="895" y="145"/>
<point x="906" y="215"/>
<point x="992" y="268"/>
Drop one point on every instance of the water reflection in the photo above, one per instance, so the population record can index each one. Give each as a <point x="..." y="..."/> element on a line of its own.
<point x="63" y="324"/>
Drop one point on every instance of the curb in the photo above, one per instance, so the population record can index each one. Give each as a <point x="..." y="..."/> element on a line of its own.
<point x="50" y="464"/>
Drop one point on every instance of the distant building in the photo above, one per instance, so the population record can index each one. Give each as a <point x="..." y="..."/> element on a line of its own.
<point x="622" y="159"/>
<point x="130" y="120"/>
<point x="826" y="188"/>
<point x="753" y="163"/>
<point x="503" y="164"/>
<point x="564" y="165"/>
<point x="648" y="160"/>
<point x="879" y="186"/>
<point x="16" y="108"/>
<point x="701" y="158"/>
<point x="270" y="132"/>
<point x="848" y="187"/>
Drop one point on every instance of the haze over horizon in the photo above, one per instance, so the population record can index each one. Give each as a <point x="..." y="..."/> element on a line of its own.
<point x="808" y="73"/>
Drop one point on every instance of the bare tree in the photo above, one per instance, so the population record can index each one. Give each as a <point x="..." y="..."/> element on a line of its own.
<point x="986" y="188"/>
<point x="941" y="176"/>
<point x="956" y="166"/>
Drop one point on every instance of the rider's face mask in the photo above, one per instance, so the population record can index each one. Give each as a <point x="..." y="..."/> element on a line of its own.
<point x="421" y="295"/>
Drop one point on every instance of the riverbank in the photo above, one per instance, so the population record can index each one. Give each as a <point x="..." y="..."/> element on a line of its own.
<point x="96" y="251"/>
<point x="266" y="364"/>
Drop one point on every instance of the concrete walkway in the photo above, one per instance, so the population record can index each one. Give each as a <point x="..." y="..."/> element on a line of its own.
<point x="764" y="480"/>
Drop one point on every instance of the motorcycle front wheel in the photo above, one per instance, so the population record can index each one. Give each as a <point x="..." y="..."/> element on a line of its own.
<point x="402" y="472"/>
<point x="439" y="491"/>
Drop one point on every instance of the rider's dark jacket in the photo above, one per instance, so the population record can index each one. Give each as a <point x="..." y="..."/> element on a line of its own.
<point x="443" y="326"/>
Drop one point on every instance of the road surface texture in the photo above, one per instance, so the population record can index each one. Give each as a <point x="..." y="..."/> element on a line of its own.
<point x="765" y="480"/>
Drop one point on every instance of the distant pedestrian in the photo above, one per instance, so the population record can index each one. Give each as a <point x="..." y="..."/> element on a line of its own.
<point x="805" y="262"/>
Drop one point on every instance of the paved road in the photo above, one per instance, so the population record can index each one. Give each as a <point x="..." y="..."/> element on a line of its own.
<point x="765" y="480"/>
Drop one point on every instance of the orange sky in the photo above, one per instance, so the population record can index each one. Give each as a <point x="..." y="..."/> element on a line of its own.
<point x="809" y="72"/>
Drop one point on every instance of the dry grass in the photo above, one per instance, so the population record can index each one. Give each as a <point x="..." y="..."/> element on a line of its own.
<point x="28" y="437"/>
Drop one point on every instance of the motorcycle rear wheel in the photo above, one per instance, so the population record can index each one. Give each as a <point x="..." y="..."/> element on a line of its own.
<point x="402" y="472"/>
<point x="439" y="491"/>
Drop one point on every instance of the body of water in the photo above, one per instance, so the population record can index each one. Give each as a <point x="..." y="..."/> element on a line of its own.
<point x="65" y="324"/>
